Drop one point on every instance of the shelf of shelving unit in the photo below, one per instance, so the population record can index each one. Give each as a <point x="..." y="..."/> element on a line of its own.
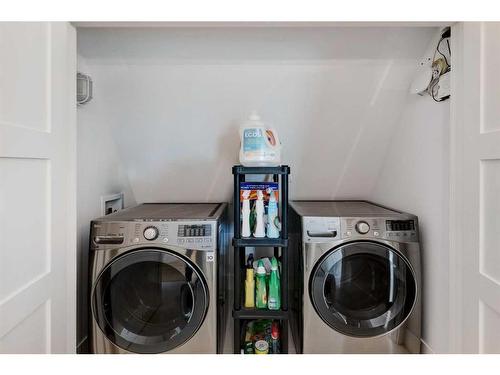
<point x="241" y="314"/>
<point x="260" y="314"/>
<point x="264" y="242"/>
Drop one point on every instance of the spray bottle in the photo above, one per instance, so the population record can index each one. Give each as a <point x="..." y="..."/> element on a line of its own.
<point x="274" y="299"/>
<point x="259" y="216"/>
<point x="272" y="216"/>
<point x="245" y="213"/>
<point x="260" y="288"/>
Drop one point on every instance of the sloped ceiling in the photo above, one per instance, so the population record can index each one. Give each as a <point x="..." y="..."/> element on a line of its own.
<point x="174" y="100"/>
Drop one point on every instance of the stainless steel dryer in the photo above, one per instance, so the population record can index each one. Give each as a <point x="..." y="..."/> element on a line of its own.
<point x="361" y="287"/>
<point x="158" y="279"/>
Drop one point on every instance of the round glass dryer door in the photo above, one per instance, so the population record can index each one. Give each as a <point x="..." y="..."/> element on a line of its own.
<point x="150" y="301"/>
<point x="363" y="289"/>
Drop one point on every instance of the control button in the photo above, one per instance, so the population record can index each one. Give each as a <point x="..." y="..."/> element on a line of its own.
<point x="208" y="239"/>
<point x="165" y="239"/>
<point x="199" y="240"/>
<point x="136" y="239"/>
<point x="348" y="234"/>
<point x="180" y="240"/>
<point x="151" y="233"/>
<point x="376" y="234"/>
<point x="362" y="227"/>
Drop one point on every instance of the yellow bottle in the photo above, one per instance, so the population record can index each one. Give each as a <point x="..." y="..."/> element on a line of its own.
<point x="250" y="289"/>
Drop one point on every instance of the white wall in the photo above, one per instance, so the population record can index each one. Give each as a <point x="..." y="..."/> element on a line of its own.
<point x="100" y="172"/>
<point x="174" y="99"/>
<point x="414" y="179"/>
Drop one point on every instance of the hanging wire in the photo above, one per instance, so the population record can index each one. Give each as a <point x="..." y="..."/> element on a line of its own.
<point x="437" y="72"/>
<point x="442" y="54"/>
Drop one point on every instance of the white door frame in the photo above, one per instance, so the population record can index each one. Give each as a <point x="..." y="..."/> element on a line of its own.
<point x="71" y="239"/>
<point x="470" y="146"/>
<point x="38" y="155"/>
<point x="465" y="82"/>
<point x="456" y="191"/>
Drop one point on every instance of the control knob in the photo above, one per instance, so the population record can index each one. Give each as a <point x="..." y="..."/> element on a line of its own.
<point x="362" y="227"/>
<point x="151" y="233"/>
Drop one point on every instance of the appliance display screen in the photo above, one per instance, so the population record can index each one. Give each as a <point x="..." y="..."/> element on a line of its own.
<point x="195" y="230"/>
<point x="397" y="225"/>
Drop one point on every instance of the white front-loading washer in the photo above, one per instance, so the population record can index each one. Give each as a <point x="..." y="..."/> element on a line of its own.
<point x="158" y="279"/>
<point x="361" y="288"/>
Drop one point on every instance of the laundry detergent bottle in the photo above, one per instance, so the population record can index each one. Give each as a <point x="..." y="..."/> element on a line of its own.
<point x="249" y="289"/>
<point x="260" y="146"/>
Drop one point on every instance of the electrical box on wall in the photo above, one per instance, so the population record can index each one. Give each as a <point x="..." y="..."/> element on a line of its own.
<point x="112" y="203"/>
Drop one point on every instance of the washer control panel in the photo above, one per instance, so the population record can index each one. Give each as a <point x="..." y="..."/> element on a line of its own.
<point x="195" y="235"/>
<point x="196" y="230"/>
<point x="320" y="229"/>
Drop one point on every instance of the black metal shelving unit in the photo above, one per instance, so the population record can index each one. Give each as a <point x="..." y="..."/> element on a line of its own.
<point x="241" y="314"/>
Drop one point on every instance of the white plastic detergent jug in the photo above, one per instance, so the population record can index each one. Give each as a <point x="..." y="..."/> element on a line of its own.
<point x="260" y="146"/>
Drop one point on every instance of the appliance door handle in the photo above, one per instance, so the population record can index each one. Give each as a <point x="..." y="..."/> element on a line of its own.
<point x="330" y="234"/>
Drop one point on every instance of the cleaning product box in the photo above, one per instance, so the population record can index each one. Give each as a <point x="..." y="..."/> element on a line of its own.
<point x="265" y="187"/>
<point x="259" y="199"/>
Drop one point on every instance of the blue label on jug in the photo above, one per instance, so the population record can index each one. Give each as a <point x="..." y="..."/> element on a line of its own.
<point x="253" y="140"/>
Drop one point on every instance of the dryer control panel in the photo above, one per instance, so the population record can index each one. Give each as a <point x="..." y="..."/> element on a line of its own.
<point x="356" y="227"/>
<point x="401" y="230"/>
<point x="324" y="229"/>
<point x="195" y="235"/>
<point x="379" y="227"/>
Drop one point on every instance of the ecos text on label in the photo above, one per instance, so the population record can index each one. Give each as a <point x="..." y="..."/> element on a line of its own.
<point x="252" y="133"/>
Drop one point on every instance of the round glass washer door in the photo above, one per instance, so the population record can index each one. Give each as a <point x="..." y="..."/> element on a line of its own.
<point x="150" y="300"/>
<point x="363" y="289"/>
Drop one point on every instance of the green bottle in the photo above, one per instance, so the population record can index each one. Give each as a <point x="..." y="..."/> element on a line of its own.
<point x="260" y="286"/>
<point x="274" y="300"/>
